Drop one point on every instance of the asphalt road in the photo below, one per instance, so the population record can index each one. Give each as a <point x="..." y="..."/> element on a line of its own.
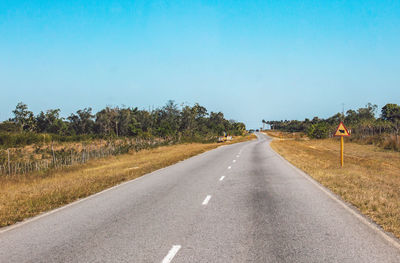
<point x="237" y="203"/>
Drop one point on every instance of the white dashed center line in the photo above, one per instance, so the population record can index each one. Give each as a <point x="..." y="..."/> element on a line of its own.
<point x="171" y="254"/>
<point x="205" y="202"/>
<point x="234" y="161"/>
<point x="229" y="167"/>
<point x="222" y="178"/>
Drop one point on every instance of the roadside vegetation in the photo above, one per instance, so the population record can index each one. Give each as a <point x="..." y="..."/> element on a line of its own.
<point x="47" y="161"/>
<point x="369" y="180"/>
<point x="35" y="143"/>
<point x="171" y="121"/>
<point x="363" y="124"/>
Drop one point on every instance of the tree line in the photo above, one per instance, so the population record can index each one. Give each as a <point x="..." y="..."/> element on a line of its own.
<point x="169" y="121"/>
<point x="362" y="123"/>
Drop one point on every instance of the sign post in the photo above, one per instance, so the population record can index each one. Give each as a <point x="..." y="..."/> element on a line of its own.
<point x="341" y="150"/>
<point x="342" y="132"/>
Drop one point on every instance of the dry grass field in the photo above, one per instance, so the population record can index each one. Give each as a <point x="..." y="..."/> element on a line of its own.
<point x="24" y="196"/>
<point x="369" y="180"/>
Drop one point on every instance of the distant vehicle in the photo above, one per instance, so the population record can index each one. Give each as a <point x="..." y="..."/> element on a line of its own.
<point x="225" y="138"/>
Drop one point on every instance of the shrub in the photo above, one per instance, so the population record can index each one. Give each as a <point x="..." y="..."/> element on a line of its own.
<point x="318" y="131"/>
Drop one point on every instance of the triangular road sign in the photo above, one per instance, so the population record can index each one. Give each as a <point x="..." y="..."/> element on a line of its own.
<point x="341" y="130"/>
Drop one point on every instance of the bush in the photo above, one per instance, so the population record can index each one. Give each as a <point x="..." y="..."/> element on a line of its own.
<point x="8" y="126"/>
<point x="18" y="139"/>
<point x="8" y="139"/>
<point x="392" y="143"/>
<point x="318" y="131"/>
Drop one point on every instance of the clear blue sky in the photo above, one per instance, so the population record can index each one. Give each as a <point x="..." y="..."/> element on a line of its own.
<point x="252" y="60"/>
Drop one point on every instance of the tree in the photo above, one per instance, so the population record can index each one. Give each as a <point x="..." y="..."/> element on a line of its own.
<point x="167" y="120"/>
<point x="23" y="117"/>
<point x="351" y="117"/>
<point x="82" y="122"/>
<point x="335" y="119"/>
<point x="367" y="113"/>
<point x="144" y="122"/>
<point x="391" y="112"/>
<point x="170" y="121"/>
<point x="127" y="123"/>
<point x="171" y="114"/>
<point x="107" y="121"/>
<point x="239" y="128"/>
<point x="216" y="123"/>
<point x="50" y="122"/>
<point x="188" y="120"/>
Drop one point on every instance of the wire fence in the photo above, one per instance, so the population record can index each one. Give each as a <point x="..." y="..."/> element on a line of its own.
<point x="12" y="163"/>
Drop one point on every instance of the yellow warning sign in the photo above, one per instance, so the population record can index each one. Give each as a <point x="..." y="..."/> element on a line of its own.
<point x="341" y="130"/>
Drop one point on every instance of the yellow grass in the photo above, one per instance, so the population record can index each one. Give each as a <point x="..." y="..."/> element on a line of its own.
<point x="25" y="196"/>
<point x="370" y="178"/>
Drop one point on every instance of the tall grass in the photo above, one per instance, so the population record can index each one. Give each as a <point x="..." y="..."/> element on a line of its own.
<point x="46" y="155"/>
<point x="8" y="140"/>
<point x="384" y="140"/>
<point x="43" y="158"/>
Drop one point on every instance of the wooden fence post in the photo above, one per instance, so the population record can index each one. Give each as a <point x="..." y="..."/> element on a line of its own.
<point x="54" y="157"/>
<point x="9" y="165"/>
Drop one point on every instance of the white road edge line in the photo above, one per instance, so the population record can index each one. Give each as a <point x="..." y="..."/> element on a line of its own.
<point x="171" y="254"/>
<point x="229" y="167"/>
<point x="205" y="202"/>
<point x="222" y="178"/>
<point x="361" y="217"/>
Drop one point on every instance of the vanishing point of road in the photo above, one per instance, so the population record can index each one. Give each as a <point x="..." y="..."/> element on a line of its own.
<point x="237" y="203"/>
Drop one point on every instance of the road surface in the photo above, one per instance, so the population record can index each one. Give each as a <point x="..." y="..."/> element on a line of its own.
<point x="237" y="203"/>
